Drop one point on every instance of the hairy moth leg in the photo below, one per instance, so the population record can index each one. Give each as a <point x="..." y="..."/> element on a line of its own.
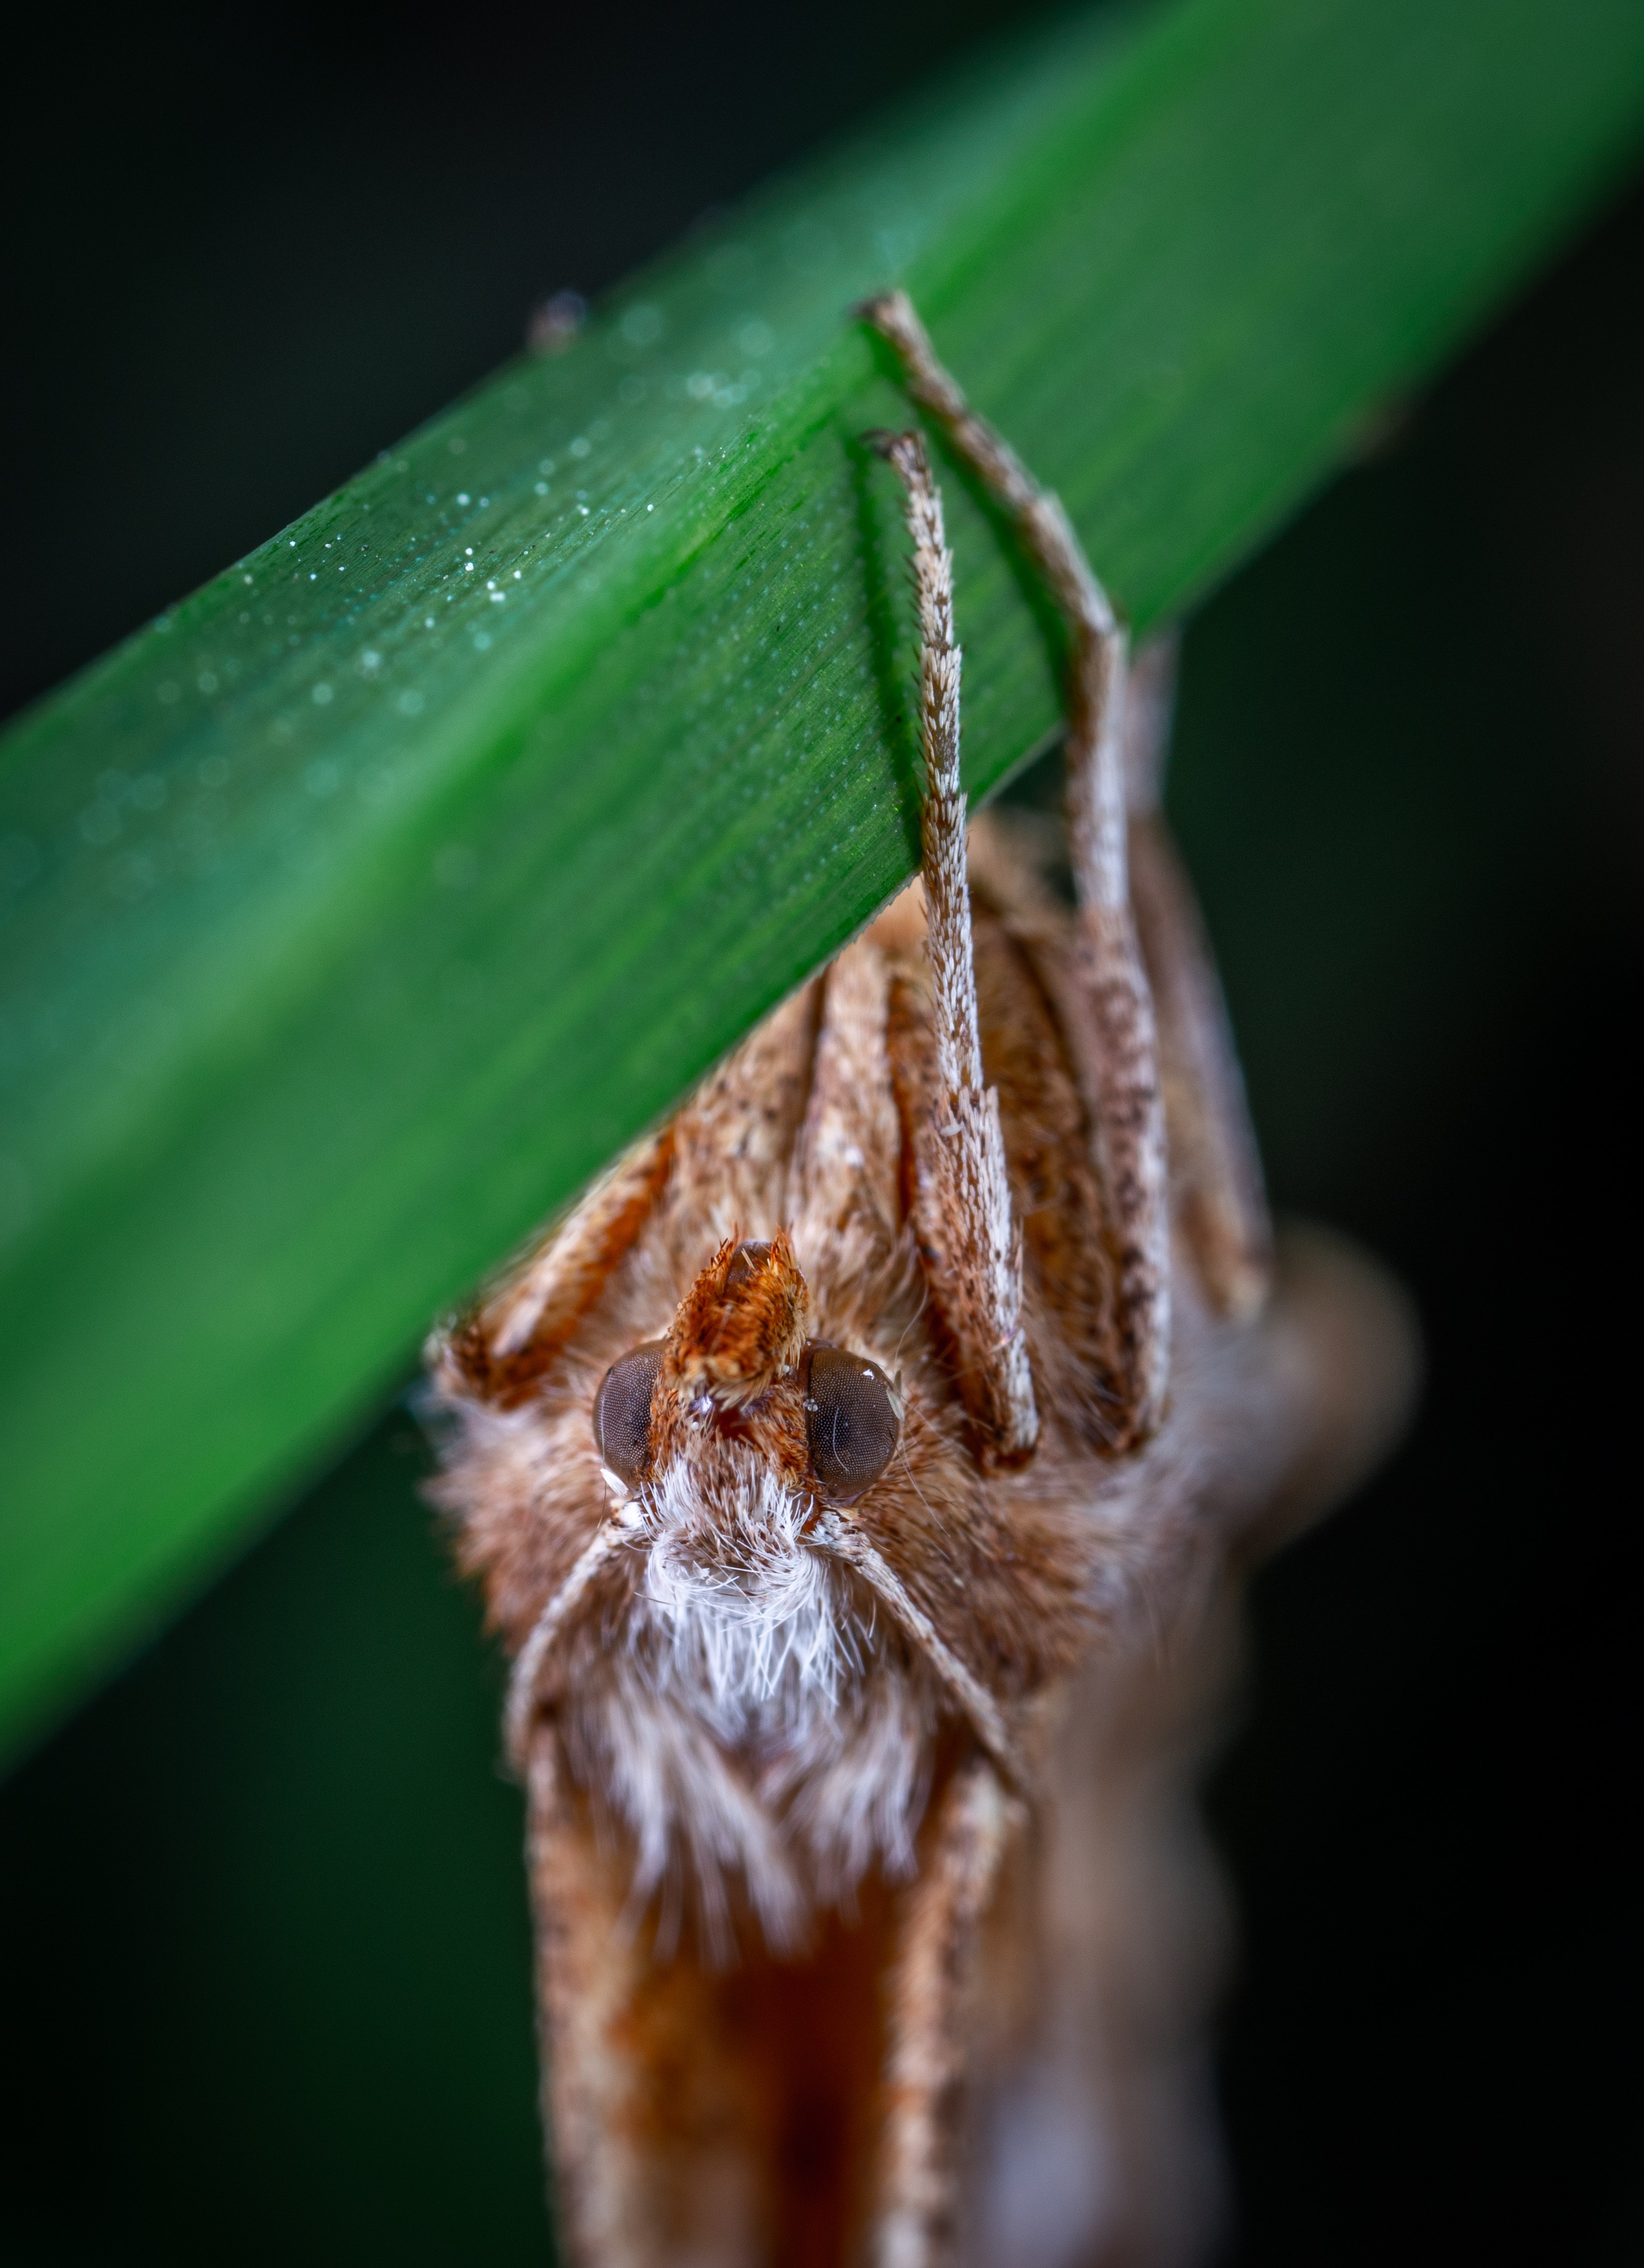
<point x="1215" y="1169"/>
<point x="965" y="1218"/>
<point x="930" y="2020"/>
<point x="503" y="1351"/>
<point x="1121" y="1073"/>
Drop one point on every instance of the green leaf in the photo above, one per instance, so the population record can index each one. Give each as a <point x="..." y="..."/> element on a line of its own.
<point x="357" y="908"/>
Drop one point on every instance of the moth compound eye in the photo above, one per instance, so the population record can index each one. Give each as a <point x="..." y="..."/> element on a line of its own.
<point x="853" y="1420"/>
<point x="622" y="1409"/>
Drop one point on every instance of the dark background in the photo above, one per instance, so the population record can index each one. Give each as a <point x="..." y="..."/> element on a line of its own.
<point x="263" y="1988"/>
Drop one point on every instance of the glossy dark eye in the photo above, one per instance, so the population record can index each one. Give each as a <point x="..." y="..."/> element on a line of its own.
<point x="854" y="1421"/>
<point x="622" y="1409"/>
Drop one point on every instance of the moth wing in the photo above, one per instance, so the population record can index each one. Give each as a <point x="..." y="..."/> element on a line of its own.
<point x="807" y="2110"/>
<point x="647" y="2116"/>
<point x="1092" y="2134"/>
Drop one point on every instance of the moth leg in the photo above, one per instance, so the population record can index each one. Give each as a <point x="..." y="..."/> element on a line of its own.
<point x="966" y="1223"/>
<point x="929" y="2021"/>
<point x="1216" y="1189"/>
<point x="503" y="1351"/>
<point x="1115" y="1037"/>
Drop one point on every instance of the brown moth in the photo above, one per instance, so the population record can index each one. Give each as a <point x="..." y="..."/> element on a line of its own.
<point x="854" y="1476"/>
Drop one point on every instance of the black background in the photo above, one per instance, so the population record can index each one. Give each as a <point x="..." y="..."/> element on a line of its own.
<point x="262" y="1947"/>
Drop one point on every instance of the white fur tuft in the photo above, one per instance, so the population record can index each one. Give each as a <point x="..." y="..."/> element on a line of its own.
<point x="736" y="1608"/>
<point x="748" y="1726"/>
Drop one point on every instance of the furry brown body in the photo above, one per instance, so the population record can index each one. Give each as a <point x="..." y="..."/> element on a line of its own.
<point x="848" y="1807"/>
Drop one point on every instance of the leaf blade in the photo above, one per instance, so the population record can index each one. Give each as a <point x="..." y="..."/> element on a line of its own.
<point x="421" y="938"/>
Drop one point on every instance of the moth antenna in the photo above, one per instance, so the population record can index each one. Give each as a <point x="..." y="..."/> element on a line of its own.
<point x="1115" y="1035"/>
<point x="967" y="1221"/>
<point x="987" y="1719"/>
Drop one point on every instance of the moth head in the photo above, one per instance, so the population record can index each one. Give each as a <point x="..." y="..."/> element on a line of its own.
<point x="739" y="1368"/>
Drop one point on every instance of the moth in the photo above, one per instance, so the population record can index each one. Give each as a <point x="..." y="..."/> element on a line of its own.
<point x="856" y="1478"/>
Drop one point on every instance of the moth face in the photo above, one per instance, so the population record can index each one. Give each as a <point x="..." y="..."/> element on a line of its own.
<point x="738" y="1374"/>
